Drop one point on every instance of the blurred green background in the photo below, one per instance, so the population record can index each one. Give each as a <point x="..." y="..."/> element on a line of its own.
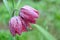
<point x="49" y="19"/>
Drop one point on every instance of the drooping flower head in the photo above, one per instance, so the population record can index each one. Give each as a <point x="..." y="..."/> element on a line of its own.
<point x="29" y="14"/>
<point x="15" y="25"/>
<point x="21" y="23"/>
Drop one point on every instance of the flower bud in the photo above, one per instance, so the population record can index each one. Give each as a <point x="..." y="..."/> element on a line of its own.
<point x="15" y="25"/>
<point x="29" y="14"/>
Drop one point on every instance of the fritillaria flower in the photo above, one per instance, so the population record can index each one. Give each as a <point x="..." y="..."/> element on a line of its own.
<point x="21" y="23"/>
<point x="29" y="14"/>
<point x="15" y="25"/>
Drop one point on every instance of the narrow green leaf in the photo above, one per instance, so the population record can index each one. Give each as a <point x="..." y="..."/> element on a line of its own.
<point x="6" y="4"/>
<point x="13" y="4"/>
<point x="18" y="3"/>
<point x="45" y="33"/>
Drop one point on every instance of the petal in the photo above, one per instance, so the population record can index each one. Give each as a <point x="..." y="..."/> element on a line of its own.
<point x="12" y="30"/>
<point x="28" y="18"/>
<point x="24" y="26"/>
<point x="30" y="11"/>
<point x="15" y="25"/>
<point x="18" y="27"/>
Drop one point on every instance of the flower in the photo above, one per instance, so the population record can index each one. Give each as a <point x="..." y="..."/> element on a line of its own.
<point x="29" y="14"/>
<point x="21" y="23"/>
<point x="24" y="25"/>
<point x="15" y="25"/>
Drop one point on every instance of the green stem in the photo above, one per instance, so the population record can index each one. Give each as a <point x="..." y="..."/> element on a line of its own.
<point x="14" y="38"/>
<point x="13" y="8"/>
<point x="7" y="6"/>
<point x="47" y="35"/>
<point x="13" y="3"/>
<point x="18" y="3"/>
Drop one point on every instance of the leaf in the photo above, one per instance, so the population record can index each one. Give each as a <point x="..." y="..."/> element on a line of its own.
<point x="6" y="4"/>
<point x="18" y="3"/>
<point x="13" y="4"/>
<point x="44" y="32"/>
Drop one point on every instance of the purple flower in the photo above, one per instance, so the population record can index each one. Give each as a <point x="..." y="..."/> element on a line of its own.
<point x="29" y="14"/>
<point x="17" y="25"/>
<point x="21" y="23"/>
